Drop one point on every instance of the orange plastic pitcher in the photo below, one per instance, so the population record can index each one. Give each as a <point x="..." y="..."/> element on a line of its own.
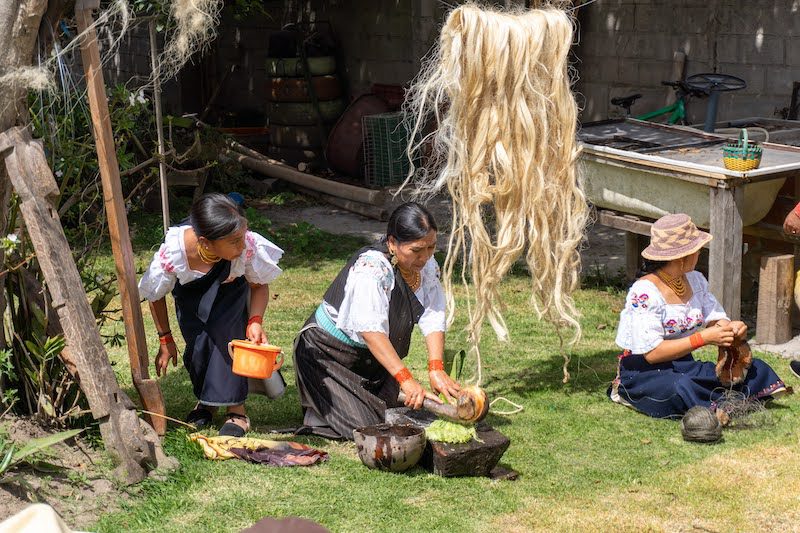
<point x="255" y="360"/>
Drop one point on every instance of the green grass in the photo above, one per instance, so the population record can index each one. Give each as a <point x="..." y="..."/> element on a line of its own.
<point x="584" y="462"/>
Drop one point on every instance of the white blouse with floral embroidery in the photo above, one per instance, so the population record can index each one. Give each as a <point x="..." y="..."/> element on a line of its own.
<point x="258" y="263"/>
<point x="648" y="319"/>
<point x="367" y="293"/>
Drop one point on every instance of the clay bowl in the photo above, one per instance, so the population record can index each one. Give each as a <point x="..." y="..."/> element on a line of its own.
<point x="394" y="448"/>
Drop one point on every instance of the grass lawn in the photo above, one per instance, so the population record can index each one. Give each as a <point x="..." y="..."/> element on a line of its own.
<point x="584" y="462"/>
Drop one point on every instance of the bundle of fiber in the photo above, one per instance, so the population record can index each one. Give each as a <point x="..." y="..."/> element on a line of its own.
<point x="495" y="116"/>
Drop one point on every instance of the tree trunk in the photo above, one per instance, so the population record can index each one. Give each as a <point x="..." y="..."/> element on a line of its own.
<point x="19" y="24"/>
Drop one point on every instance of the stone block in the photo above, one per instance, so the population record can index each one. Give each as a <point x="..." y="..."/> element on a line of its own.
<point x="474" y="458"/>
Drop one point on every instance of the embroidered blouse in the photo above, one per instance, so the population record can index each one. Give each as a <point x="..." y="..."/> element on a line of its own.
<point x="367" y="292"/>
<point x="258" y="263"/>
<point x="648" y="319"/>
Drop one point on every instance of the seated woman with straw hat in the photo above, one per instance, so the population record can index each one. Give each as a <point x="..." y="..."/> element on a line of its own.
<point x="669" y="312"/>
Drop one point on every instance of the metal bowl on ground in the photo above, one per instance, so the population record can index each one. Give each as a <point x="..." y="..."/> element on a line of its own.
<point x="394" y="448"/>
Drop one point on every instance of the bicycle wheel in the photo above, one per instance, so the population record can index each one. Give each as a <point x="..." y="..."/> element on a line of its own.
<point x="711" y="81"/>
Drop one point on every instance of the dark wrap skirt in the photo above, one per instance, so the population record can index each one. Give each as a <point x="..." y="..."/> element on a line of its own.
<point x="211" y="314"/>
<point x="668" y="390"/>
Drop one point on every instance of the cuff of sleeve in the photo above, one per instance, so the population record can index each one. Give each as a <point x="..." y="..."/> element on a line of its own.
<point x="713" y="317"/>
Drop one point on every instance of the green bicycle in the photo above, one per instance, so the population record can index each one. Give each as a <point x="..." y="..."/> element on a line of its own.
<point x="699" y="86"/>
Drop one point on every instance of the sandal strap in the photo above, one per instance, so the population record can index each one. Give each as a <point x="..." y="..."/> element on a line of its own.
<point x="237" y="416"/>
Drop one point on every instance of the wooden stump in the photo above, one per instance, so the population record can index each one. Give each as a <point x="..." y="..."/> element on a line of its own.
<point x="775" y="299"/>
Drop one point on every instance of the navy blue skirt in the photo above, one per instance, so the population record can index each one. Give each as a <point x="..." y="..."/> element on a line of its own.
<point x="668" y="390"/>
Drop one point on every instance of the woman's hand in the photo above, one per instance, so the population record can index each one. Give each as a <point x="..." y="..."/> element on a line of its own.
<point x="165" y="353"/>
<point x="255" y="333"/>
<point x="718" y="335"/>
<point x="791" y="224"/>
<point x="416" y="393"/>
<point x="739" y="329"/>
<point x="441" y="383"/>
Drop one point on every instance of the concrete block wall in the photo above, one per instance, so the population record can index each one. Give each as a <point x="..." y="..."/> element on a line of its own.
<point x="627" y="46"/>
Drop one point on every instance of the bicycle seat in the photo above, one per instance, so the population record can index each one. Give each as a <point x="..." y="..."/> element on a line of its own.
<point x="626" y="101"/>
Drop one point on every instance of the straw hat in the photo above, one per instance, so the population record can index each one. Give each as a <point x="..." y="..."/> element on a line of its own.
<point x="673" y="237"/>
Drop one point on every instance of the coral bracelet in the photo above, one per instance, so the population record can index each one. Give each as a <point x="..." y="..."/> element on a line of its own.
<point x="697" y="341"/>
<point x="435" y="364"/>
<point x="403" y="375"/>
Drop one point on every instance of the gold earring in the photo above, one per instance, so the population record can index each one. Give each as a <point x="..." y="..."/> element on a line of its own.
<point x="392" y="258"/>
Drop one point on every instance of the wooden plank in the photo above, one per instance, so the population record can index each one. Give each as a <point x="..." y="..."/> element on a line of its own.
<point x="632" y="257"/>
<point x="117" y="221"/>
<point x="725" y="257"/>
<point x="677" y="73"/>
<point x="775" y="299"/>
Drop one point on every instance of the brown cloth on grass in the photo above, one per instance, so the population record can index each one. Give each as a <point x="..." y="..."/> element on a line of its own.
<point x="262" y="451"/>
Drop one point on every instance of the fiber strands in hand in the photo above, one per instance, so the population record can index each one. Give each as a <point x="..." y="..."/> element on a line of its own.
<point x="497" y="93"/>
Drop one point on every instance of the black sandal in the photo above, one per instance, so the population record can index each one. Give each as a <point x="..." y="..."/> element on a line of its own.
<point x="200" y="417"/>
<point x="230" y="429"/>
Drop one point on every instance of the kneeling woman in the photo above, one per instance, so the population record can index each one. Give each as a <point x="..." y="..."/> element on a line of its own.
<point x="662" y="323"/>
<point x="348" y="356"/>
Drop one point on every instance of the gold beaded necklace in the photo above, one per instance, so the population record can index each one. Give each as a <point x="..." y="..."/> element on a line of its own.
<point x="416" y="279"/>
<point x="207" y="256"/>
<point x="676" y="284"/>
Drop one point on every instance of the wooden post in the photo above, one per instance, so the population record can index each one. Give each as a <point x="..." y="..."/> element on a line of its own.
<point x="634" y="244"/>
<point x="149" y="390"/>
<point x="162" y="166"/>
<point x="775" y="299"/>
<point x="134" y="444"/>
<point x="725" y="250"/>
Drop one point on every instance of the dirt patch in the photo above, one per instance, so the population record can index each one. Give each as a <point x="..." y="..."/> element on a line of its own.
<point x="80" y="491"/>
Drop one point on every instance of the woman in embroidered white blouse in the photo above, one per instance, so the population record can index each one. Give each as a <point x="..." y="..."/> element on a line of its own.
<point x="348" y="356"/>
<point x="218" y="273"/>
<point x="662" y="323"/>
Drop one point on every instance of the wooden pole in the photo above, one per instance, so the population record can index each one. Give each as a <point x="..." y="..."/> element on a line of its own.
<point x="276" y="169"/>
<point x="365" y="210"/>
<point x="148" y="388"/>
<point x="725" y="250"/>
<point x="162" y="166"/>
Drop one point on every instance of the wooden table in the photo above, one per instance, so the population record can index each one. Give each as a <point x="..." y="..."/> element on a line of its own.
<point x="671" y="158"/>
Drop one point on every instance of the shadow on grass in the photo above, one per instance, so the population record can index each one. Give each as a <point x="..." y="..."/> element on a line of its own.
<point x="588" y="373"/>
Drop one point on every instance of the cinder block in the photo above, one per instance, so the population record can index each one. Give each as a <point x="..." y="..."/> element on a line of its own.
<point x="753" y="49"/>
<point x="780" y="81"/>
<point x="754" y="75"/>
<point x="652" y="73"/>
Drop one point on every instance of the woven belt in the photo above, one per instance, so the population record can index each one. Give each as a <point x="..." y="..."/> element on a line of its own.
<point x="325" y="322"/>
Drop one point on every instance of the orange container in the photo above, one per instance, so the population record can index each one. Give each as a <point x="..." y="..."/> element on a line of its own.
<point x="255" y="360"/>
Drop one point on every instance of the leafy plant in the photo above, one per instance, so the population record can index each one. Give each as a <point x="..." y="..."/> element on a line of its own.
<point x="11" y="457"/>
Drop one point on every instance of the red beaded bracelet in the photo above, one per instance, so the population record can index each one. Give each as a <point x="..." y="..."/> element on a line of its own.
<point x="255" y="319"/>
<point x="697" y="341"/>
<point x="166" y="339"/>
<point x="403" y="375"/>
<point x="435" y="364"/>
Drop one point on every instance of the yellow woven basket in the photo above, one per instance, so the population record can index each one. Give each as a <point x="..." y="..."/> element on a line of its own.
<point x="743" y="155"/>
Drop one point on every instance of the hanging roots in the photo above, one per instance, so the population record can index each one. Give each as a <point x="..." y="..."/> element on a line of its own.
<point x="195" y="27"/>
<point x="35" y="78"/>
<point x="497" y="92"/>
